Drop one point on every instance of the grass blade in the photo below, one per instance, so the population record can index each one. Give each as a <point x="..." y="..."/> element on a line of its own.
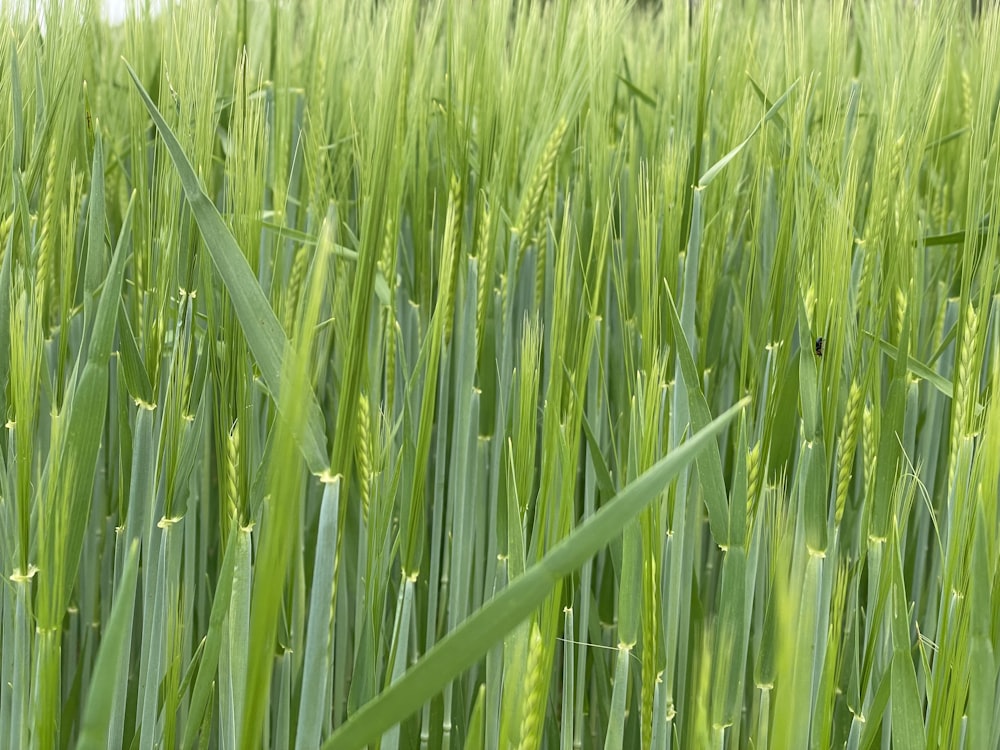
<point x="115" y="644"/>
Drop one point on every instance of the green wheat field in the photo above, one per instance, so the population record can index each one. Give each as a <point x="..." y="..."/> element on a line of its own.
<point x="500" y="374"/>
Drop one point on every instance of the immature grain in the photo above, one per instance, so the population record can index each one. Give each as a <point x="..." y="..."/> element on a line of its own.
<point x="900" y="310"/>
<point x="450" y="257"/>
<point x="963" y="388"/>
<point x="233" y="472"/>
<point x="868" y="439"/>
<point x="848" y="443"/>
<point x="295" y="280"/>
<point x="867" y="272"/>
<point x="363" y="453"/>
<point x="487" y="259"/>
<point x="387" y="255"/>
<point x="967" y="100"/>
<point x="753" y="478"/>
<point x="534" y="704"/>
<point x="540" y="178"/>
<point x="391" y="336"/>
<point x="48" y="236"/>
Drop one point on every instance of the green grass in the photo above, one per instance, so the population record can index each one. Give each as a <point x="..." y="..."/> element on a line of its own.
<point x="443" y="374"/>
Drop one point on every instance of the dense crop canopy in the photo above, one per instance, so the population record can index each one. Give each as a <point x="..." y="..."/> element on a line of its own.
<point x="499" y="374"/>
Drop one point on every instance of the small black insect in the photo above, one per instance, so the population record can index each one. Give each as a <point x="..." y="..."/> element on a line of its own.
<point x="820" y="346"/>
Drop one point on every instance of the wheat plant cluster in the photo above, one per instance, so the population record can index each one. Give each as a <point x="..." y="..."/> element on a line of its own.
<point x="438" y="374"/>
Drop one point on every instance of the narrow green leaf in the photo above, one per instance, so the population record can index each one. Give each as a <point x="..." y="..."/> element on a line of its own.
<point x="115" y="643"/>
<point x="875" y="713"/>
<point x="616" y="718"/>
<point x="947" y="138"/>
<point x="983" y="683"/>
<point x="814" y="494"/>
<point x="205" y="682"/>
<point x="890" y="450"/>
<point x="630" y="584"/>
<point x="637" y="92"/>
<point x="601" y="471"/>
<point x="712" y="172"/>
<point x="907" y="718"/>
<point x="105" y="318"/>
<point x="136" y="377"/>
<point x="709" y="461"/>
<point x="729" y="661"/>
<point x="474" y="734"/>
<point x="943" y="385"/>
<point x="317" y="647"/>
